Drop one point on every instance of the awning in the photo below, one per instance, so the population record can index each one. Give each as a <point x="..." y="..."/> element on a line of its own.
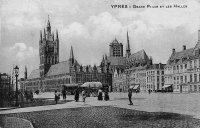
<point x="70" y="85"/>
<point x="166" y="85"/>
<point x="136" y="87"/>
<point x="92" y="84"/>
<point x="131" y="86"/>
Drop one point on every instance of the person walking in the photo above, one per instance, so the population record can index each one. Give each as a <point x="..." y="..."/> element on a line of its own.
<point x="84" y="95"/>
<point x="100" y="97"/>
<point x="64" y="94"/>
<point x="76" y="95"/>
<point x="106" y="96"/>
<point x="130" y="96"/>
<point x="56" y="96"/>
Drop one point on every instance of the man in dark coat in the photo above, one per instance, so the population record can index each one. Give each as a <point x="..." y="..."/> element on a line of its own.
<point x="64" y="94"/>
<point x="76" y="95"/>
<point x="106" y="96"/>
<point x="130" y="96"/>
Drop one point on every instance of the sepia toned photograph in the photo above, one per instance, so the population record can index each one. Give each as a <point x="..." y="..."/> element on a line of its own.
<point x="99" y="64"/>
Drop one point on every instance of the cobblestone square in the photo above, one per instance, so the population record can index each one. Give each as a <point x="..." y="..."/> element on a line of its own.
<point x="105" y="117"/>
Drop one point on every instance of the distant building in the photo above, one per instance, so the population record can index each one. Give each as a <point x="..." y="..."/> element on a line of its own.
<point x="182" y="69"/>
<point x="5" y="83"/>
<point x="133" y="69"/>
<point x="155" y="77"/>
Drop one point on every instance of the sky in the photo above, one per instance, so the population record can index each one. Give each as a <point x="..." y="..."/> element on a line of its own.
<point x="91" y="25"/>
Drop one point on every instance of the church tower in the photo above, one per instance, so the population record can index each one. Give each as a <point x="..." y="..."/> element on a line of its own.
<point x="48" y="49"/>
<point x="128" y="50"/>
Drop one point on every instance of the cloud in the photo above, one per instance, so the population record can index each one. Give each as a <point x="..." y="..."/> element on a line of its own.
<point x="75" y="29"/>
<point x="103" y="24"/>
<point x="19" y="52"/>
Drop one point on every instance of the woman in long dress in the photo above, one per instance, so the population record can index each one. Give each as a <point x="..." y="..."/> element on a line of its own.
<point x="84" y="95"/>
<point x="100" y="97"/>
<point x="76" y="95"/>
<point x="106" y="96"/>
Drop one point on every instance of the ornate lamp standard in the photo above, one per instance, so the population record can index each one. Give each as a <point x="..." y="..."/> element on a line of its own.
<point x="16" y="69"/>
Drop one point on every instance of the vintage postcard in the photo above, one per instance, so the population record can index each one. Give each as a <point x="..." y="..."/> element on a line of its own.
<point x="99" y="63"/>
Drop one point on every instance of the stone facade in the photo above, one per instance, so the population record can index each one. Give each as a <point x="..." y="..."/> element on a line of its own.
<point x="182" y="71"/>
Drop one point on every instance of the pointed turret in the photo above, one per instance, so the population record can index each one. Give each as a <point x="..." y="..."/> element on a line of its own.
<point x="57" y="34"/>
<point x="44" y="35"/>
<point x="25" y="73"/>
<point x="40" y="35"/>
<point x="128" y="50"/>
<point x="53" y="36"/>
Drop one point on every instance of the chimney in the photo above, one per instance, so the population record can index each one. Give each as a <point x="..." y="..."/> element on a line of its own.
<point x="198" y="35"/>
<point x="184" y="47"/>
<point x="173" y="51"/>
<point x="159" y="65"/>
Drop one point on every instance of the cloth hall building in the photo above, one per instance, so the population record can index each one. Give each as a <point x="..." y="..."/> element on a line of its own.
<point x="53" y="74"/>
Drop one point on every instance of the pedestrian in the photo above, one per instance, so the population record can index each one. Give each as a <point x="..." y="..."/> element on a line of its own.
<point x="100" y="97"/>
<point x="149" y="91"/>
<point x="84" y="95"/>
<point x="130" y="96"/>
<point x="106" y="96"/>
<point x="76" y="95"/>
<point x="64" y="94"/>
<point x="56" y="96"/>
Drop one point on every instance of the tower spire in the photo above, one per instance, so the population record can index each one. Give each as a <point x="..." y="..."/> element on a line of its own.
<point x="48" y="28"/>
<point x="128" y="50"/>
<point x="72" y="55"/>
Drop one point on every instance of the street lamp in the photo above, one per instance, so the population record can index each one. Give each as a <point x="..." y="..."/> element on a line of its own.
<point x="16" y="69"/>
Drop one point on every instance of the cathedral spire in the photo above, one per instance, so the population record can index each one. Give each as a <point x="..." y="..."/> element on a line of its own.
<point x="72" y="55"/>
<point x="128" y="50"/>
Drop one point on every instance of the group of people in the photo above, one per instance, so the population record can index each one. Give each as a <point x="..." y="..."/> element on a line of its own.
<point x="83" y="93"/>
<point x="57" y="95"/>
<point x="100" y="95"/>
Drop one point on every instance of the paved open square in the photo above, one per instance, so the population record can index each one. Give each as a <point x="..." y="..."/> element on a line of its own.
<point x="148" y="110"/>
<point x="105" y="117"/>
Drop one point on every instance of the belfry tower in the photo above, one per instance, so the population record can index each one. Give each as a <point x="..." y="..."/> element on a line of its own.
<point x="48" y="49"/>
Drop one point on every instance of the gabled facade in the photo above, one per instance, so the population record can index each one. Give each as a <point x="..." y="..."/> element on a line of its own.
<point x="182" y="71"/>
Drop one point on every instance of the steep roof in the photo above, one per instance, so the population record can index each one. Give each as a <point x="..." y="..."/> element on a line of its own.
<point x="116" y="60"/>
<point x="34" y="74"/>
<point x="181" y="54"/>
<point x="60" y="68"/>
<point x="139" y="55"/>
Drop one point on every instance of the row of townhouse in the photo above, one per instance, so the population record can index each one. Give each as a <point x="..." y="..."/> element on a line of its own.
<point x="180" y="74"/>
<point x="182" y="70"/>
<point x="143" y="78"/>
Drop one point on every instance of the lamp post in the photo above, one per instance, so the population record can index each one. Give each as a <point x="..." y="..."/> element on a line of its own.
<point x="16" y="69"/>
